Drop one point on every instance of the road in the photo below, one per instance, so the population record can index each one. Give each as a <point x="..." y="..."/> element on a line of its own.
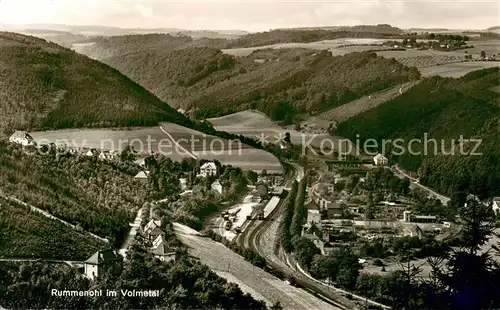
<point x="133" y="231"/>
<point x="415" y="183"/>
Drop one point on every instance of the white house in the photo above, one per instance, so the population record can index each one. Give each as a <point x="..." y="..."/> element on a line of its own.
<point x="142" y="176"/>
<point x="313" y="217"/>
<point x="183" y="183"/>
<point x="216" y="186"/>
<point x="208" y="169"/>
<point x="496" y="205"/>
<point x="95" y="265"/>
<point x="380" y="160"/>
<point x="22" y="138"/>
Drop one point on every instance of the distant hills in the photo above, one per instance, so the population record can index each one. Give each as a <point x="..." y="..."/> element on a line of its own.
<point x="280" y="83"/>
<point x="44" y="85"/>
<point x="444" y="109"/>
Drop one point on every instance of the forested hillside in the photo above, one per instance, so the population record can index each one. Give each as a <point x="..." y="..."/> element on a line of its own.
<point x="102" y="198"/>
<point x="445" y="109"/>
<point x="280" y="82"/>
<point x="27" y="234"/>
<point x="43" y="85"/>
<point x="117" y="46"/>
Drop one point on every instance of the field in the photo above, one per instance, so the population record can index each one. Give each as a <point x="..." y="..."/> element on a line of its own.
<point x="457" y="70"/>
<point x="254" y="124"/>
<point x="175" y="141"/>
<point x="335" y="46"/>
<point x="225" y="262"/>
<point x="351" y="109"/>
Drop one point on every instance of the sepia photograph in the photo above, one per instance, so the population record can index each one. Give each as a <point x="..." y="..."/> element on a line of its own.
<point x="250" y="154"/>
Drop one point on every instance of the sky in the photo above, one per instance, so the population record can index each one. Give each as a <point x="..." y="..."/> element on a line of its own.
<point x="256" y="15"/>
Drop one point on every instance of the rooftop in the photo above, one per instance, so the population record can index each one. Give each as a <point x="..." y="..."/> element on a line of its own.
<point x="100" y="257"/>
<point x="209" y="165"/>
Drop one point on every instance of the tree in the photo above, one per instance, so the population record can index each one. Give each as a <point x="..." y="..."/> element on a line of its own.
<point x="469" y="279"/>
<point x="252" y="176"/>
<point x="276" y="306"/>
<point x="287" y="138"/>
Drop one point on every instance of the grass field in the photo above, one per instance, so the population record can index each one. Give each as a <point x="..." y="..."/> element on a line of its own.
<point x="332" y="45"/>
<point x="457" y="70"/>
<point x="175" y="141"/>
<point x="254" y="124"/>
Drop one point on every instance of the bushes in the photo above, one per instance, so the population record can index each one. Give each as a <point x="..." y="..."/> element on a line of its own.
<point x="289" y="206"/>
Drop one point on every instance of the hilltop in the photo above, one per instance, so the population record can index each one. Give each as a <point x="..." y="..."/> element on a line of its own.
<point x="277" y="82"/>
<point x="312" y="35"/>
<point x="103" y="48"/>
<point x="444" y="109"/>
<point x="46" y="86"/>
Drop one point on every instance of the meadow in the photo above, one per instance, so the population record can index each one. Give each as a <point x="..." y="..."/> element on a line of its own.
<point x="175" y="141"/>
<point x="337" y="46"/>
<point x="254" y="124"/>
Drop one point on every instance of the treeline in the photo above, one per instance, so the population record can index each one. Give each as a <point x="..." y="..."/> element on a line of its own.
<point x="443" y="109"/>
<point x="45" y="86"/>
<point x="289" y="206"/>
<point x="300" y="211"/>
<point x="305" y="36"/>
<point x="280" y="83"/>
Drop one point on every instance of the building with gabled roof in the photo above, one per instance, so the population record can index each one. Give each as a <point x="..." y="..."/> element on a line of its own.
<point x="152" y="225"/>
<point x="22" y="138"/>
<point x="95" y="265"/>
<point x="380" y="160"/>
<point x="208" y="169"/>
<point x="154" y="233"/>
<point x="142" y="176"/>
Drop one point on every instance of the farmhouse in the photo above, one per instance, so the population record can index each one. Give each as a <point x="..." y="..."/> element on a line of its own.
<point x="380" y="160"/>
<point x="208" y="169"/>
<point x="217" y="186"/>
<point x="95" y="265"/>
<point x="22" y="138"/>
